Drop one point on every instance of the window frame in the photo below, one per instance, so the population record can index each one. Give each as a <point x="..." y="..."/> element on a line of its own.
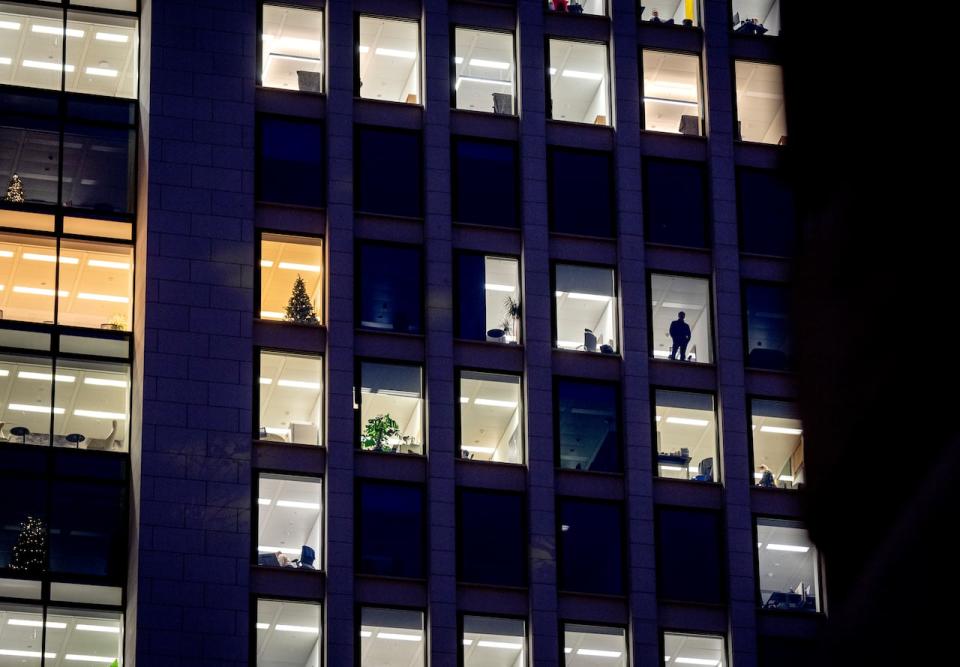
<point x="563" y="621"/>
<point x="455" y="139"/>
<point x="461" y="613"/>
<point x="515" y="89"/>
<point x="701" y="92"/>
<point x="358" y="285"/>
<point x="618" y="390"/>
<point x="357" y="15"/>
<point x="458" y="418"/>
<point x="258" y="160"/>
<point x="621" y="506"/>
<point x="724" y="564"/>
<point x="710" y="302"/>
<point x="749" y="37"/>
<point x="821" y="601"/>
<point x="707" y="199"/>
<point x="548" y="88"/>
<point x="738" y="139"/>
<point x="358" y="362"/>
<point x="664" y="630"/>
<point x="524" y="531"/>
<point x="359" y="211"/>
<point x="254" y="598"/>
<point x="259" y="350"/>
<point x="553" y="149"/>
<point x="259" y="233"/>
<point x="457" y="254"/>
<point x="718" y="469"/>
<point x="791" y="361"/>
<point x="261" y="5"/>
<point x="750" y="398"/>
<point x="358" y="608"/>
<point x="301" y="476"/>
<point x="358" y="483"/>
<point x="554" y="313"/>
<point x="776" y="172"/>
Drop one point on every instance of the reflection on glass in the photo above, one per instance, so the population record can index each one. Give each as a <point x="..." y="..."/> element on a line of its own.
<point x="761" y="115"/>
<point x="680" y="313"/>
<point x="686" y="436"/>
<point x="590" y="546"/>
<point x="777" y="444"/>
<point x="670" y="12"/>
<point x="284" y="259"/>
<point x="488" y="298"/>
<point x="595" y="7"/>
<point x="594" y="645"/>
<point x="291" y="398"/>
<point x="491" y="417"/>
<point x="488" y="640"/>
<point x="88" y="529"/>
<point x="391" y="288"/>
<point x="769" y="336"/>
<point x="756" y="17"/>
<point x="484" y="67"/>
<point x="288" y="634"/>
<point x="291" y="45"/>
<point x="389" y="60"/>
<point x="290" y="161"/>
<point x="288" y="522"/>
<point x="482" y="514"/>
<point x="767" y="212"/>
<point x="675" y="202"/>
<point x="390" y="532"/>
<point x="789" y="573"/>
<point x="391" y="637"/>
<point x="581" y="192"/>
<point x="67" y="636"/>
<point x="29" y="149"/>
<point x="22" y="503"/>
<point x="579" y="82"/>
<point x="391" y="408"/>
<point x="671" y="92"/>
<point x="98" y="167"/>
<point x="589" y="416"/>
<point x="586" y="306"/>
<point x="485" y="182"/>
<point x="681" y="649"/>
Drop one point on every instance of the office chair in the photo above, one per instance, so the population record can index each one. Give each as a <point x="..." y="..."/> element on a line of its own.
<point x="706" y="471"/>
<point x="589" y="341"/>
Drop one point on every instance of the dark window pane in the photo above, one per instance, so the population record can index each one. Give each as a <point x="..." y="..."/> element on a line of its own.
<point x="768" y="221"/>
<point x="768" y="327"/>
<point x="88" y="529"/>
<point x="471" y="297"/>
<point x="581" y="196"/>
<point x="589" y="415"/>
<point x="20" y="501"/>
<point x="98" y="167"/>
<point x="786" y="652"/>
<point x="591" y="551"/>
<point x="391" y="288"/>
<point x="390" y="536"/>
<point x="674" y="195"/>
<point x="491" y="538"/>
<point x="389" y="178"/>
<point x="102" y="109"/>
<point x="689" y="556"/>
<point x="290" y="166"/>
<point x="29" y="148"/>
<point x="485" y="183"/>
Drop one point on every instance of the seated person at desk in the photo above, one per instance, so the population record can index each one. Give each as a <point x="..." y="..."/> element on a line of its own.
<point x="766" y="478"/>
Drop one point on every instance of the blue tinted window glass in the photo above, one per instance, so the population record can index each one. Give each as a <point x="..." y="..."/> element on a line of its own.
<point x="591" y="551"/>
<point x="390" y="535"/>
<point x="471" y="297"/>
<point x="88" y="529"/>
<point x="689" y="556"/>
<point x="391" y="288"/>
<point x="388" y="172"/>
<point x="674" y="195"/>
<point x="768" y="222"/>
<point x="768" y="327"/>
<point x="29" y="148"/>
<point x="290" y="168"/>
<point x="485" y="183"/>
<point x="581" y="193"/>
<point x="589" y="417"/>
<point x="20" y="500"/>
<point x="98" y="168"/>
<point x="483" y="515"/>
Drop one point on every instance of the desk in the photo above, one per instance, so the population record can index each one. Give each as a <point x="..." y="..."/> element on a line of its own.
<point x="675" y="460"/>
<point x="780" y="600"/>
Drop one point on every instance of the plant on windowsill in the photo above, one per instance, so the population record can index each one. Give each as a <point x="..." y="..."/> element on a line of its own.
<point x="116" y="323"/>
<point x="377" y="431"/>
<point x="300" y="309"/>
<point x="511" y="312"/>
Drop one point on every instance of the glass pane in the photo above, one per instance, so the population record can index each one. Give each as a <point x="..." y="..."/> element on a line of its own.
<point x="78" y="636"/>
<point x="389" y="172"/>
<point x="789" y="572"/>
<point x="693" y="650"/>
<point x="591" y="548"/>
<point x="96" y="285"/>
<point x="26" y="220"/>
<point x="680" y="313"/>
<point x="769" y="336"/>
<point x="290" y="161"/>
<point x="482" y="560"/>
<point x="488" y="640"/>
<point x="284" y="259"/>
<point x="390" y="535"/>
<point x="491" y="417"/>
<point x="586" y="306"/>
<point x="488" y="298"/>
<point x="670" y="12"/>
<point x="581" y="192"/>
<point x="91" y="400"/>
<point x="686" y="436"/>
<point x="484" y="71"/>
<point x="761" y="115"/>
<point x="768" y="221"/>
<point x="29" y="150"/>
<point x="595" y="7"/>
<point x="26" y="386"/>
<point x="288" y="634"/>
<point x="291" y="398"/>
<point x="289" y="514"/>
<point x="391" y="637"/>
<point x="589" y="416"/>
<point x="103" y="56"/>
<point x="579" y="82"/>
<point x="594" y="645"/>
<point x="111" y="229"/>
<point x="120" y="5"/>
<point x="689" y="556"/>
<point x="22" y="640"/>
<point x="391" y="408"/>
<point x="31" y="46"/>
<point x="88" y="529"/>
<point x="28" y="269"/>
<point x="23" y="531"/>
<point x="671" y="92"/>
<point x="98" y="168"/>
<point x="485" y="183"/>
<point x="756" y="17"/>
<point x="777" y="444"/>
<point x="675" y="202"/>
<point x="391" y="288"/>
<point x="292" y="49"/>
<point x="389" y="60"/>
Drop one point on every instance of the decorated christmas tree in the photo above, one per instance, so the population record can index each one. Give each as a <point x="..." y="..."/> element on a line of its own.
<point x="30" y="551"/>
<point x="14" y="191"/>
<point x="300" y="308"/>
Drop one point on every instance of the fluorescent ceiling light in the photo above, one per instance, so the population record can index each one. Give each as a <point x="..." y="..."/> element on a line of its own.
<point x="266" y="263"/>
<point x="494" y="287"/>
<point x="101" y="382"/>
<point x="6" y="61"/>
<point x="661" y="354"/>
<point x="467" y="642"/>
<point x="781" y="430"/>
<point x="671" y="468"/>
<point x="458" y="60"/>
<point x="508" y="645"/>
<point x="464" y="399"/>
<point x="29" y="623"/>
<point x="36" y="257"/>
<point x="31" y="375"/>
<point x="492" y="64"/>
<point x="399" y="637"/>
<point x="597" y="653"/>
<point x="9" y="25"/>
<point x="568" y="344"/>
<point x="679" y="103"/>
<point x="682" y="306"/>
<point x="112" y="37"/>
<point x="26" y="654"/>
<point x="788" y="547"/>
<point x="294" y="43"/>
<point x="102" y="71"/>
<point x="263" y="501"/>
<point x="297" y="504"/>
<point x="103" y="297"/>
<point x="88" y="658"/>
<point x="44" y="409"/>
<point x="6" y="253"/>
<point x="41" y="291"/>
<point x="365" y="634"/>
<point x="696" y="661"/>
<point x="477" y="79"/>
<point x="297" y="384"/>
<point x="581" y="296"/>
<point x="311" y="268"/>
<point x="568" y="650"/>
<point x="296" y="628"/>
<point x="493" y="403"/>
<point x="4" y="372"/>
<point x="266" y="381"/>
<point x="98" y="628"/>
<point x="478" y="450"/>
<point x="364" y="49"/>
<point x="396" y="53"/>
<point x="42" y="64"/>
<point x="272" y="550"/>
<point x="105" y="264"/>
<point x="51" y="30"/>
<point x="552" y="70"/>
<point x="575" y="74"/>
<point x="271" y="315"/>
<point x="99" y="414"/>
<point x="683" y="421"/>
<point x="263" y="626"/>
<point x="659" y="418"/>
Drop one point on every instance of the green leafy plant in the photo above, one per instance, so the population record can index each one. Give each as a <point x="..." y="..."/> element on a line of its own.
<point x="377" y="431"/>
<point x="511" y="311"/>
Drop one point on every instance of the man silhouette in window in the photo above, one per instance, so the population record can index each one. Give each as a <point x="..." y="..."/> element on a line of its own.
<point x="680" y="333"/>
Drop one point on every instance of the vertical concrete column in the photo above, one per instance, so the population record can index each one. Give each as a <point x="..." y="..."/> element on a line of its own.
<point x="194" y="546"/>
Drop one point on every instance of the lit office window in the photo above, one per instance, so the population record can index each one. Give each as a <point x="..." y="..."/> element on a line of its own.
<point x="389" y="60"/>
<point x="594" y="7"/>
<point x="491" y="417"/>
<point x="482" y="514"/>
<point x="670" y="12"/>
<point x="291" y="398"/>
<point x="789" y="570"/>
<point x="288" y="634"/>
<point x="388" y="179"/>
<point x="391" y="535"/>
<point x="588" y="424"/>
<point x="579" y="82"/>
<point x="756" y="17"/>
<point x="590" y="554"/>
<point x="488" y="298"/>
<point x="391" y="287"/>
<point x="285" y="261"/>
<point x="680" y="318"/>
<point x="683" y="649"/>
<point x="686" y="436"/>
<point x="761" y="114"/>
<point x="594" y="645"/>
<point x="67" y="636"/>
<point x="485" y="182"/>
<point x="28" y="271"/>
<point x="769" y="334"/>
<point x="675" y="202"/>
<point x="290" y="167"/>
<point x="581" y="192"/>
<point x="768" y="215"/>
<point x="489" y="640"/>
<point x="289" y="520"/>
<point x="485" y="71"/>
<point x="586" y="308"/>
<point x="391" y="408"/>
<point x="690" y="558"/>
<point x="291" y="49"/>
<point x="671" y="92"/>
<point x="392" y="637"/>
<point x="777" y="434"/>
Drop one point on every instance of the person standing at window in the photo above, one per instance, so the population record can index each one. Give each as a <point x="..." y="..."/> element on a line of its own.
<point x="680" y="333"/>
<point x="766" y="478"/>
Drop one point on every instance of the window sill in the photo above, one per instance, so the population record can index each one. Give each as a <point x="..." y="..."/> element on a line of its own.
<point x="668" y="26"/>
<point x="614" y="355"/>
<point x="579" y="123"/>
<point x="284" y="323"/>
<point x="702" y="138"/>
<point x="392" y="103"/>
<point x="290" y="91"/>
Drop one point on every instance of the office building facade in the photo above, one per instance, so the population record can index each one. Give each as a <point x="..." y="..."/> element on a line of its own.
<point x="398" y="333"/>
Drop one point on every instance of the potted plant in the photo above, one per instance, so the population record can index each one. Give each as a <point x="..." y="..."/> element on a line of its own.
<point x="511" y="312"/>
<point x="117" y="323"/>
<point x="377" y="431"/>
